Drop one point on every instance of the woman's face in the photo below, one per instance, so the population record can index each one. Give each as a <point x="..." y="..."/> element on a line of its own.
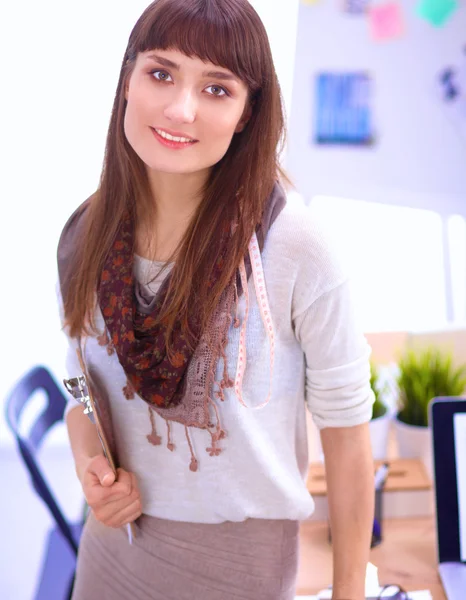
<point x="171" y="93"/>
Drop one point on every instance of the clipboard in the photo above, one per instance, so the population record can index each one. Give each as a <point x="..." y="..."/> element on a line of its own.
<point x="80" y="390"/>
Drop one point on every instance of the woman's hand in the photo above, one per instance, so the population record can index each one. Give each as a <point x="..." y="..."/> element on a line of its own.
<point x="114" y="502"/>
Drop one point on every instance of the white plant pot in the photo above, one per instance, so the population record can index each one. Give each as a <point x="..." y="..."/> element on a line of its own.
<point x="379" y="429"/>
<point x="415" y="442"/>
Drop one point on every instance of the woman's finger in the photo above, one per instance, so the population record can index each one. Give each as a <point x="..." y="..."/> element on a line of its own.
<point x="125" y="515"/>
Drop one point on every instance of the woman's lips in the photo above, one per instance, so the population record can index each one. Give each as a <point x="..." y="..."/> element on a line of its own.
<point x="171" y="143"/>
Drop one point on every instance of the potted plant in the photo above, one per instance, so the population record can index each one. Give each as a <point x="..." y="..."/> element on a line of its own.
<point x="379" y="425"/>
<point x="423" y="375"/>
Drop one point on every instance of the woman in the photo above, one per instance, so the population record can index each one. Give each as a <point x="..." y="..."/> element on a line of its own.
<point x="209" y="311"/>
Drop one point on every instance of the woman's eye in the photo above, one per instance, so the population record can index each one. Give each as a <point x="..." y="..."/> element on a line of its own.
<point x="161" y="73"/>
<point x="218" y="89"/>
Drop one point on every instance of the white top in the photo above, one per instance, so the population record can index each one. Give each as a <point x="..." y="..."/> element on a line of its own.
<point x="321" y="360"/>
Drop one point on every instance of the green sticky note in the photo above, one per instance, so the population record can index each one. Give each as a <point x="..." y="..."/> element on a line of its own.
<point x="436" y="12"/>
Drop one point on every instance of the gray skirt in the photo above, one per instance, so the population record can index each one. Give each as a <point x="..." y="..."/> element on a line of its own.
<point x="256" y="559"/>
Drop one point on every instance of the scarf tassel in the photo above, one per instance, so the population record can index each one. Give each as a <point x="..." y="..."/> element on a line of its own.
<point x="156" y="440"/>
<point x="217" y="435"/>
<point x="153" y="438"/>
<point x="226" y="382"/>
<point x="104" y="340"/>
<point x="170" y="445"/>
<point x="128" y="390"/>
<point x="194" y="465"/>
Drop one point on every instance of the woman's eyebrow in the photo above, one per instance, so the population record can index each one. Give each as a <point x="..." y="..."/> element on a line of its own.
<point x="217" y="74"/>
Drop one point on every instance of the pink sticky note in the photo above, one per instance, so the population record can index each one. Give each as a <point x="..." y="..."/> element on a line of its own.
<point x="386" y="21"/>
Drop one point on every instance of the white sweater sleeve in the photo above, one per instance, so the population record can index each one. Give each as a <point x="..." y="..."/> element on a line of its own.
<point x="338" y="392"/>
<point x="71" y="364"/>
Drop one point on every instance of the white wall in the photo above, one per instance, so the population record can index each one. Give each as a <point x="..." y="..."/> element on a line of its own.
<point x="420" y="157"/>
<point x="59" y="74"/>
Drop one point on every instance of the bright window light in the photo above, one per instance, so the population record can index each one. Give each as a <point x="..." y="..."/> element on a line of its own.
<point x="457" y="245"/>
<point x="395" y="258"/>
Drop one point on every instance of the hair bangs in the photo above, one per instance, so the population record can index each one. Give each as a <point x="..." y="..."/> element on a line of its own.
<point x="225" y="33"/>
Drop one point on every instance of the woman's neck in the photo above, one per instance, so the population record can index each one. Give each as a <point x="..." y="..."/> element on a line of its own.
<point x="176" y="197"/>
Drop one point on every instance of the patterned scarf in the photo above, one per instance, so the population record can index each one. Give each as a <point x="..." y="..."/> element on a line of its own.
<point x="179" y="388"/>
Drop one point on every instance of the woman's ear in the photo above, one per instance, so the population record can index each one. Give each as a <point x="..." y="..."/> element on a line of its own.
<point x="244" y="119"/>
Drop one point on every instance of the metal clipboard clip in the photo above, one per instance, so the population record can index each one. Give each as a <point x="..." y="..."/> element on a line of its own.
<point x="77" y="387"/>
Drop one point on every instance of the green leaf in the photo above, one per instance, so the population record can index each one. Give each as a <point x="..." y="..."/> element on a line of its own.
<point x="379" y="408"/>
<point x="423" y="375"/>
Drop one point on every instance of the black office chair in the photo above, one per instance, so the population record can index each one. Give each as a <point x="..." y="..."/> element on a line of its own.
<point x="62" y="545"/>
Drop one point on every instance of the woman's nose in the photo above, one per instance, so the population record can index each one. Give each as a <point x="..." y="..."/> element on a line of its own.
<point x="182" y="108"/>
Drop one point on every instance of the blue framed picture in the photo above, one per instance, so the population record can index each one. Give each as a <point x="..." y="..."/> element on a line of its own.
<point x="356" y="7"/>
<point x="344" y="109"/>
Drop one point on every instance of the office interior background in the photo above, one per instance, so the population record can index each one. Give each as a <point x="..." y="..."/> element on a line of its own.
<point x="395" y="206"/>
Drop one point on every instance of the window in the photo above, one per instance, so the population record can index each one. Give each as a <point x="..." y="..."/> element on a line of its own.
<point x="395" y="256"/>
<point x="457" y="246"/>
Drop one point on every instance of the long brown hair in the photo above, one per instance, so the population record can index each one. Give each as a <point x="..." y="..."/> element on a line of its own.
<point x="228" y="33"/>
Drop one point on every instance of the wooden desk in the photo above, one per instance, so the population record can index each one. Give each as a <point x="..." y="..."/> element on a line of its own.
<point x="407" y="555"/>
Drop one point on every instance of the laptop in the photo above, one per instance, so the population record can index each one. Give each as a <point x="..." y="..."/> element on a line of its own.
<point x="448" y="422"/>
